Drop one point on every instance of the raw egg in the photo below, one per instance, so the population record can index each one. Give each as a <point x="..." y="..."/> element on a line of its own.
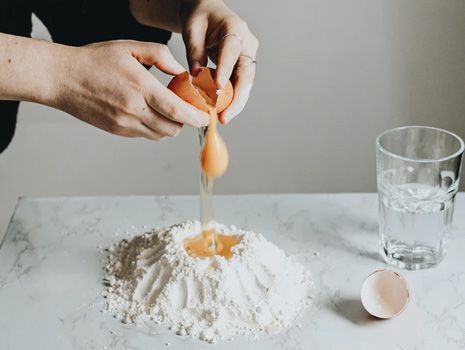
<point x="384" y="294"/>
<point x="202" y="93"/>
<point x="214" y="156"/>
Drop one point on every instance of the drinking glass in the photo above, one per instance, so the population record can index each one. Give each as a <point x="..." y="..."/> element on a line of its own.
<point x="418" y="171"/>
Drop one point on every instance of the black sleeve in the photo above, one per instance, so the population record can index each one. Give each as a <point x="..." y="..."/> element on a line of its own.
<point x="80" y="22"/>
<point x="15" y="17"/>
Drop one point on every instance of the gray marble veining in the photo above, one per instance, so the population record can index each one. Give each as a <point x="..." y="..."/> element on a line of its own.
<point x="51" y="273"/>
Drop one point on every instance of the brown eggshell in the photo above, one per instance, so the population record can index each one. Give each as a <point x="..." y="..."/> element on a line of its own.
<point x="202" y="91"/>
<point x="204" y="81"/>
<point x="182" y="87"/>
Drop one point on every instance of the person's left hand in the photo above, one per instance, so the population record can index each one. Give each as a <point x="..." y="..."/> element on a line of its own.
<point x="210" y="28"/>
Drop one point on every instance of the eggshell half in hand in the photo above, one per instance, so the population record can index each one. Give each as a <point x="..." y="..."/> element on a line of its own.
<point x="201" y="92"/>
<point x="385" y="294"/>
<point x="221" y="98"/>
<point x="182" y="86"/>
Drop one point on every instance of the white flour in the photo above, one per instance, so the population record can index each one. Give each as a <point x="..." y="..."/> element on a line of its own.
<point x="258" y="291"/>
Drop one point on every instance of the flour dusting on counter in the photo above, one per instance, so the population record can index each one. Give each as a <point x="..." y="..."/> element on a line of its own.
<point x="259" y="290"/>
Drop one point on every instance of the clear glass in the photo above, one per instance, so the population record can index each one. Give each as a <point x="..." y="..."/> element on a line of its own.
<point x="418" y="170"/>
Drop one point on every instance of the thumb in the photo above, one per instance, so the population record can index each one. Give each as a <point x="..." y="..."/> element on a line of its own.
<point x="157" y="55"/>
<point x="194" y="38"/>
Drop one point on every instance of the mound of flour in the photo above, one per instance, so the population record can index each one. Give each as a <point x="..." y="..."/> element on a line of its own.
<point x="259" y="290"/>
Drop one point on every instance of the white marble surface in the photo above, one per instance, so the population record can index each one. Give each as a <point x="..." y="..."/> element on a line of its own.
<point x="51" y="272"/>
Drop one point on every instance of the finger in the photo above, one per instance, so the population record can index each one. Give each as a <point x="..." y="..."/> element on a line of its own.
<point x="160" y="124"/>
<point x="213" y="55"/>
<point x="243" y="82"/>
<point x="157" y="55"/>
<point x="194" y="36"/>
<point x="126" y="126"/>
<point x="133" y="125"/>
<point x="145" y="131"/>
<point x="229" y="51"/>
<point x="172" y="107"/>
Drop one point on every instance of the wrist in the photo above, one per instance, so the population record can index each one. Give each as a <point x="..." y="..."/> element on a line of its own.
<point x="206" y="7"/>
<point x="163" y="14"/>
<point x="51" y="74"/>
<point x="186" y="7"/>
<point x="29" y="72"/>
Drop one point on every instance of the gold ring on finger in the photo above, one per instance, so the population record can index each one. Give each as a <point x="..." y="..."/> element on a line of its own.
<point x="238" y="37"/>
<point x="251" y="61"/>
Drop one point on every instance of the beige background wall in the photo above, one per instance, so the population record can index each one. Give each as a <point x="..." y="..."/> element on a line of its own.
<point x="331" y="76"/>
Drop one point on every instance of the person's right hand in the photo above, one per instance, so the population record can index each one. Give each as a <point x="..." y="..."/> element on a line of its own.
<point x="106" y="85"/>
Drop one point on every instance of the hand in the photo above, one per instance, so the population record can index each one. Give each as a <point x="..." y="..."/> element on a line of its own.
<point x="106" y="85"/>
<point x="210" y="28"/>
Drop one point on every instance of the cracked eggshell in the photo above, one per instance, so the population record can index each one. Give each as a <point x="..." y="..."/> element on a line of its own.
<point x="204" y="81"/>
<point x="182" y="86"/>
<point x="385" y="294"/>
<point x="201" y="91"/>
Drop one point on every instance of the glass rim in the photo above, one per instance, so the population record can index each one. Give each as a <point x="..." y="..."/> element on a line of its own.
<point x="420" y="160"/>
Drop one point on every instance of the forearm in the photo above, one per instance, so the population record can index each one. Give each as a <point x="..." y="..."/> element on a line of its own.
<point x="164" y="14"/>
<point x="27" y="68"/>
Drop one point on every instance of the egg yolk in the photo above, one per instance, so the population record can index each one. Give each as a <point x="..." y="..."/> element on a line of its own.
<point x="210" y="243"/>
<point x="214" y="156"/>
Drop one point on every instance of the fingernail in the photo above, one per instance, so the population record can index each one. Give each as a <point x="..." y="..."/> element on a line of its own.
<point x="222" y="82"/>
<point x="195" y="70"/>
<point x="224" y="119"/>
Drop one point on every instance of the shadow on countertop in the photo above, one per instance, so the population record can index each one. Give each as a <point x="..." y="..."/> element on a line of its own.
<point x="352" y="309"/>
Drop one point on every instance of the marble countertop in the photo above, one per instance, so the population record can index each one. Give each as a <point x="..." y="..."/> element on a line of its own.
<point x="51" y="273"/>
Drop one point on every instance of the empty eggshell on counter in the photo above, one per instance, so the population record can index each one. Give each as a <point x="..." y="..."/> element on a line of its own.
<point x="384" y="294"/>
